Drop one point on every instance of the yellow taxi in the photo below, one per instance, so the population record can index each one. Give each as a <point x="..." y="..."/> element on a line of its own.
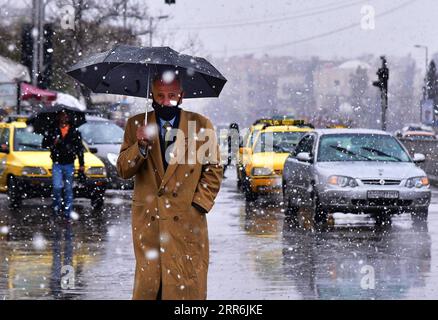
<point x="245" y="150"/>
<point x="272" y="145"/>
<point x="25" y="167"/>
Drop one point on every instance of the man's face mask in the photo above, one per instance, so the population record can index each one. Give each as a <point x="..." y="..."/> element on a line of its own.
<point x="167" y="112"/>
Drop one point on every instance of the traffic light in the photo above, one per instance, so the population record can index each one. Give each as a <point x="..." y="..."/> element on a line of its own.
<point x="45" y="77"/>
<point x="383" y="75"/>
<point x="46" y="74"/>
<point x="27" y="46"/>
<point x="169" y="2"/>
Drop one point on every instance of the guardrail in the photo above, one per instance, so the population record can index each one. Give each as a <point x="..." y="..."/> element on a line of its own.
<point x="430" y="150"/>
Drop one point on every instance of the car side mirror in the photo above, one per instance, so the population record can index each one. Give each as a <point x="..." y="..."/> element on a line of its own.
<point x="304" y="157"/>
<point x="4" y="148"/>
<point x="419" y="158"/>
<point x="93" y="150"/>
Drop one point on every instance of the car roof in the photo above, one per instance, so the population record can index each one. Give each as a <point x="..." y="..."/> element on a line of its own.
<point x="15" y="124"/>
<point x="257" y="126"/>
<point x="419" y="133"/>
<point x="97" y="118"/>
<point x="351" y="131"/>
<point x="286" y="129"/>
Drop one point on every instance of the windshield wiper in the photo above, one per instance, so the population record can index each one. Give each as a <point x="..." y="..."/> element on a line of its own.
<point x="351" y="153"/>
<point x="30" y="145"/>
<point x="281" y="149"/>
<point x="381" y="153"/>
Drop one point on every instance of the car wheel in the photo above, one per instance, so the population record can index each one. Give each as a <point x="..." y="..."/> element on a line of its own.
<point x="291" y="211"/>
<point x="13" y="194"/>
<point x="420" y="214"/>
<point x="320" y="216"/>
<point x="240" y="178"/>
<point x="97" y="201"/>
<point x="249" y="195"/>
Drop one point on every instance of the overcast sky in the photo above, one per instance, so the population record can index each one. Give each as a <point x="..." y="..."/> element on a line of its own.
<point x="327" y="28"/>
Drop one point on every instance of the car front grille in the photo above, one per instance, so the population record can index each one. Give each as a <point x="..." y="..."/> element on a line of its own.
<point x="381" y="202"/>
<point x="381" y="182"/>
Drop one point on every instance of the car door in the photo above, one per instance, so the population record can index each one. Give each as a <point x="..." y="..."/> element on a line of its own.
<point x="4" y="142"/>
<point x="301" y="174"/>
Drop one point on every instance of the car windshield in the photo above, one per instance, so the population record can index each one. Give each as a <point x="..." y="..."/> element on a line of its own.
<point x="360" y="147"/>
<point x="279" y="142"/>
<point x="26" y="140"/>
<point x="101" y="132"/>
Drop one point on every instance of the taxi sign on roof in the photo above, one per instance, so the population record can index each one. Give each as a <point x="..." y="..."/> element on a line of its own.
<point x="17" y="118"/>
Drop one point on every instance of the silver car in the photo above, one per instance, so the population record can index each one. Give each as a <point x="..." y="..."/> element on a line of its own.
<point x="354" y="171"/>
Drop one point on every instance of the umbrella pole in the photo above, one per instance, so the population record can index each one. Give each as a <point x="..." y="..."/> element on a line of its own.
<point x="147" y="98"/>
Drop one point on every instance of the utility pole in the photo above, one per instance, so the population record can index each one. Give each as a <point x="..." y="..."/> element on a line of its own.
<point x="34" y="32"/>
<point x="426" y="49"/>
<point x="38" y="8"/>
<point x="382" y="84"/>
<point x="125" y="7"/>
<point x="41" y="38"/>
<point x="151" y="29"/>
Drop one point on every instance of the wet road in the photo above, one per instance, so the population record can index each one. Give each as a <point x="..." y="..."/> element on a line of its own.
<point x="255" y="254"/>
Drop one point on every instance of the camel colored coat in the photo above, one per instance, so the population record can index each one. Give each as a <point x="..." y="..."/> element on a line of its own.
<point x="170" y="235"/>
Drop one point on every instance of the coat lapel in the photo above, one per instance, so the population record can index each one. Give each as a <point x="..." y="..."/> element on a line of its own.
<point x="180" y="146"/>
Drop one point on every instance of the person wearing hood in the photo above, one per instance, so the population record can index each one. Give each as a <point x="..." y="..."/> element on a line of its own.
<point x="177" y="178"/>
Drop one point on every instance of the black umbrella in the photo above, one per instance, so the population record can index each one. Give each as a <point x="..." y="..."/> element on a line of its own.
<point x="45" y="121"/>
<point x="125" y="69"/>
<point x="129" y="70"/>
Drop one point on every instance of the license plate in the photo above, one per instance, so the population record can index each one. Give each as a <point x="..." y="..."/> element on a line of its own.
<point x="377" y="194"/>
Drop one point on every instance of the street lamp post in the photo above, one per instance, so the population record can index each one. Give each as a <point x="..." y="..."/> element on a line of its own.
<point x="427" y="53"/>
<point x="151" y="31"/>
<point x="426" y="49"/>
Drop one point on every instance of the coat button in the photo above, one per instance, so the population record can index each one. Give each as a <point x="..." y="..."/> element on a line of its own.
<point x="192" y="170"/>
<point x="175" y="194"/>
<point x="160" y="192"/>
<point x="152" y="218"/>
<point x="175" y="218"/>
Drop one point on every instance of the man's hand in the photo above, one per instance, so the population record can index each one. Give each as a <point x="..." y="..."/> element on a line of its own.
<point x="144" y="138"/>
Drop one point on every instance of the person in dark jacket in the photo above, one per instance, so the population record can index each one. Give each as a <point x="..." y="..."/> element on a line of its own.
<point x="65" y="144"/>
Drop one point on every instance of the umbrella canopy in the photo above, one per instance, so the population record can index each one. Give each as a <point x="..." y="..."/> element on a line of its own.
<point x="46" y="120"/>
<point x="128" y="70"/>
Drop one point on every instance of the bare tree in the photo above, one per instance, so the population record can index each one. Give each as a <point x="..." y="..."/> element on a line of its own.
<point x="98" y="25"/>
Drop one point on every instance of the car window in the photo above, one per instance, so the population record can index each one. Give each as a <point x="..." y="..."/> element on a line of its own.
<point x="101" y="132"/>
<point x="4" y="136"/>
<point x="26" y="140"/>
<point x="305" y="145"/>
<point x="252" y="136"/>
<point x="279" y="142"/>
<point x="361" y="147"/>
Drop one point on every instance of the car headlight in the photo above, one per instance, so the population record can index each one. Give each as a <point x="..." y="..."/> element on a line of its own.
<point x="33" y="171"/>
<point x="2" y="166"/>
<point x="342" y="181"/>
<point x="417" y="182"/>
<point x="112" y="158"/>
<point x="96" y="171"/>
<point x="261" y="171"/>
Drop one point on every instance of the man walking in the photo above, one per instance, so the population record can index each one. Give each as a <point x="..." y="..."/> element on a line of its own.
<point x="65" y="144"/>
<point x="176" y="165"/>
